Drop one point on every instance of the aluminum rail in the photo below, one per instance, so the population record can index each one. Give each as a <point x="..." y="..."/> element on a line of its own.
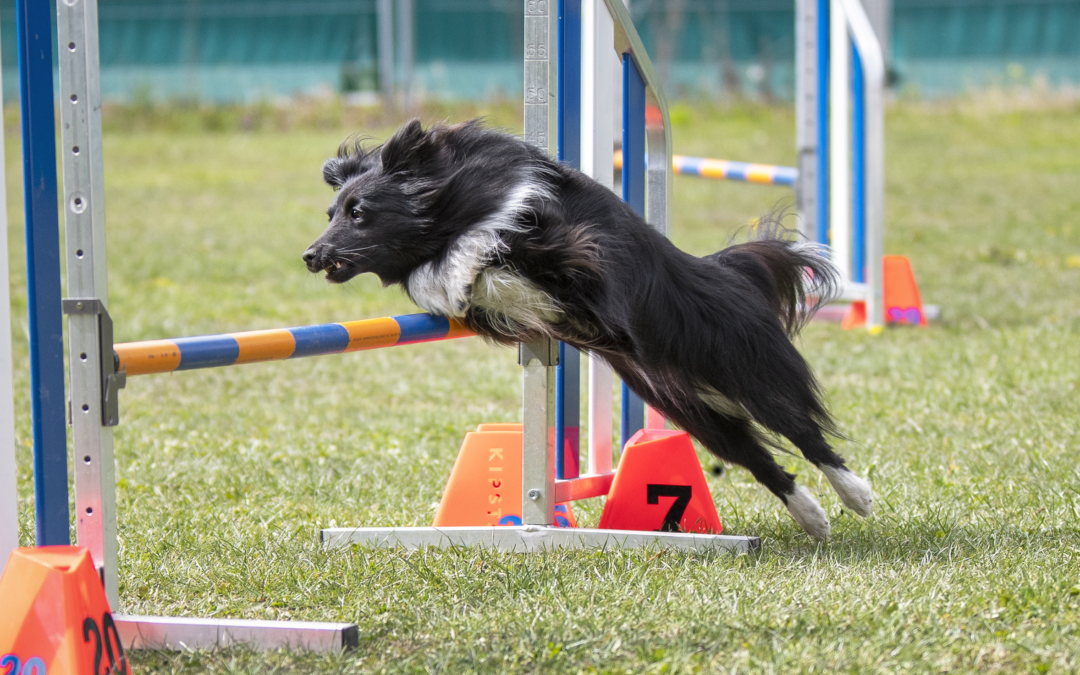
<point x="532" y="538"/>
<point x="229" y="349"/>
<point x="726" y="169"/>
<point x="90" y="362"/>
<point x="873" y="64"/>
<point x="539" y="360"/>
<point x="182" y="634"/>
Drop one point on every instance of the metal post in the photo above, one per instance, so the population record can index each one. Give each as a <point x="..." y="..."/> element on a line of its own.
<point x="840" y="142"/>
<point x="406" y="27"/>
<point x="633" y="192"/>
<point x="806" y="115"/>
<point x="90" y="332"/>
<point x="43" y="272"/>
<point x="385" y="18"/>
<point x="823" y="178"/>
<point x="660" y="174"/>
<point x="568" y="102"/>
<point x="9" y="499"/>
<point x="597" y="143"/>
<point x="539" y="359"/>
<point x="858" y="170"/>
<point x="879" y="13"/>
<point x="873" y="65"/>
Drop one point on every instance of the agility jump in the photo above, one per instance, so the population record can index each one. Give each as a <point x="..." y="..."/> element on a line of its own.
<point x="579" y="47"/>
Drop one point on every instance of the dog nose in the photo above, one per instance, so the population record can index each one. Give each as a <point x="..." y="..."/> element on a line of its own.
<point x="311" y="259"/>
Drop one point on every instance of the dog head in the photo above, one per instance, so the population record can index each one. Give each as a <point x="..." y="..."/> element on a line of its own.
<point x="376" y="220"/>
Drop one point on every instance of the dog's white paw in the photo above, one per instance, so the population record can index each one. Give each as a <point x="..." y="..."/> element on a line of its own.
<point x="854" y="492"/>
<point x="808" y="513"/>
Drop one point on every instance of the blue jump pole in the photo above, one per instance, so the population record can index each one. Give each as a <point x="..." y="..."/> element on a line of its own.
<point x="633" y="191"/>
<point x="47" y="401"/>
<point x="823" y="122"/>
<point x="858" y="170"/>
<point x="568" y="373"/>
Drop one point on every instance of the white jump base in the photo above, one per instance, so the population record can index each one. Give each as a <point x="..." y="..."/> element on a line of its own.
<point x="532" y="538"/>
<point x="179" y="633"/>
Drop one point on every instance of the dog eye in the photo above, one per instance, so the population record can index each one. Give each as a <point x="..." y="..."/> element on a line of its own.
<point x="355" y="213"/>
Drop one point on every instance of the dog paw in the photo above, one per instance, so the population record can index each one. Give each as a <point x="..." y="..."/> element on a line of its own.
<point x="853" y="491"/>
<point x="808" y="513"/>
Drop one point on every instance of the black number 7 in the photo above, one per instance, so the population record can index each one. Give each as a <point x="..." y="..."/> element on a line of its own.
<point x="681" y="493"/>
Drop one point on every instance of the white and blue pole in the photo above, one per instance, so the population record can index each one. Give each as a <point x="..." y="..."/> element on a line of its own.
<point x="568" y="142"/>
<point x="9" y="499"/>
<point x="633" y="193"/>
<point x="47" y="399"/>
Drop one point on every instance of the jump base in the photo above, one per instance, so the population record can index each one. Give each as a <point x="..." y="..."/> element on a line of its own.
<point x="178" y="633"/>
<point x="532" y="538"/>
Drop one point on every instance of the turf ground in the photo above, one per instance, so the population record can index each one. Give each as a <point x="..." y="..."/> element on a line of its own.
<point x="969" y="430"/>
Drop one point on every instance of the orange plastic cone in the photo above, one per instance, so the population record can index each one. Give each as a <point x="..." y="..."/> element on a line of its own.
<point x="659" y="486"/>
<point x="55" y="618"/>
<point x="855" y="316"/>
<point x="485" y="483"/>
<point x="903" y="302"/>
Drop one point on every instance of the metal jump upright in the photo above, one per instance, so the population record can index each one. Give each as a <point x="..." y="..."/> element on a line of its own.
<point x="840" y="191"/>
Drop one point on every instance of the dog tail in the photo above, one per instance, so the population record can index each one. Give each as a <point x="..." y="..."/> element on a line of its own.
<point x="796" y="277"/>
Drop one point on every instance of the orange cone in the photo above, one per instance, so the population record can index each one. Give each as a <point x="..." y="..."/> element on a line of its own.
<point x="55" y="617"/>
<point x="855" y="316"/>
<point x="485" y="483"/>
<point x="659" y="486"/>
<point x="903" y="302"/>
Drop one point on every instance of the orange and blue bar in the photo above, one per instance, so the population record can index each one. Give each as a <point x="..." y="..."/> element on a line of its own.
<point x="724" y="169"/>
<point x="230" y="349"/>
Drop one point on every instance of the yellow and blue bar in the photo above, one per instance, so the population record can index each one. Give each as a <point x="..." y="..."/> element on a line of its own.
<point x="230" y="349"/>
<point x="724" y="169"/>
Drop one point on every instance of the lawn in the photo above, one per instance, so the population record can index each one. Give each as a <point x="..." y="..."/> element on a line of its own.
<point x="969" y="430"/>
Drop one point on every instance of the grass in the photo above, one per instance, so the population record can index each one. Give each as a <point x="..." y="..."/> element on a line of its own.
<point x="968" y="430"/>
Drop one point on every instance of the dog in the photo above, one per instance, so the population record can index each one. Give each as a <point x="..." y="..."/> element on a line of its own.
<point x="479" y="225"/>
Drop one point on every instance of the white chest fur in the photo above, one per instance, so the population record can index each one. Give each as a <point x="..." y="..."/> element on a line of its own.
<point x="446" y="286"/>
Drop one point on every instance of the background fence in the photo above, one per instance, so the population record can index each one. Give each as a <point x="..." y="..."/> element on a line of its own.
<point x="247" y="49"/>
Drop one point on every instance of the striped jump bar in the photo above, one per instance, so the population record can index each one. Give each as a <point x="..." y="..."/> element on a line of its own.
<point x="723" y="169"/>
<point x="212" y="351"/>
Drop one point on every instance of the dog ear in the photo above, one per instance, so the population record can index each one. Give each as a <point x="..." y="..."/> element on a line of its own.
<point x="337" y="170"/>
<point x="408" y="147"/>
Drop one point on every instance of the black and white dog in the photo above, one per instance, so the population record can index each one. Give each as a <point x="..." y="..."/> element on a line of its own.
<point x="479" y="225"/>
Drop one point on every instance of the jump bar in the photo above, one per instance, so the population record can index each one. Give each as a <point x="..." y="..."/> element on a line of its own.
<point x="213" y="351"/>
<point x="723" y="169"/>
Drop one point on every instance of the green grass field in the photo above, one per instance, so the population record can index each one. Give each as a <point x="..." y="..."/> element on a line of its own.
<point x="969" y="430"/>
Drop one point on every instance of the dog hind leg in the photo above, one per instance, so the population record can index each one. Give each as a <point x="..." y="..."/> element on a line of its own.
<point x="855" y="492"/>
<point x="735" y="441"/>
<point x="729" y="435"/>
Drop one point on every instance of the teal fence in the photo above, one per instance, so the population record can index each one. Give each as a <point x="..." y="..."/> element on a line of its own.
<point x="249" y="49"/>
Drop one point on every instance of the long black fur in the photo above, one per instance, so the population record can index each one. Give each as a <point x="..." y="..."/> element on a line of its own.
<point x="676" y="328"/>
